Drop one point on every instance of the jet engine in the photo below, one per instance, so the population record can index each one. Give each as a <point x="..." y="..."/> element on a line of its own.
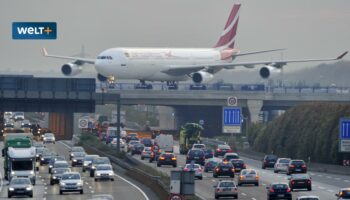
<point x="101" y="78"/>
<point x="202" y="77"/>
<point x="268" y="70"/>
<point x="71" y="69"/>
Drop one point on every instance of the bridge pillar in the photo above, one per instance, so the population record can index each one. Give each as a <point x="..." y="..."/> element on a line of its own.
<point x="254" y="107"/>
<point x="61" y="124"/>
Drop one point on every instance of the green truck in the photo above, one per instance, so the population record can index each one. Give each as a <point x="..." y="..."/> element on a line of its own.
<point x="190" y="134"/>
<point x="19" y="157"/>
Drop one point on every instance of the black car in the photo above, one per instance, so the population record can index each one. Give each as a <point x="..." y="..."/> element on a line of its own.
<point x="296" y="166"/>
<point x="208" y="153"/>
<point x="167" y="159"/>
<point x="269" y="161"/>
<point x="238" y="164"/>
<point x="75" y="149"/>
<point x="300" y="181"/>
<point x="147" y="142"/>
<point x="197" y="155"/>
<point x="53" y="160"/>
<point x="20" y="186"/>
<point x="46" y="157"/>
<point x="57" y="174"/>
<point x="279" y="191"/>
<point x="222" y="150"/>
<point x="78" y="159"/>
<point x="224" y="169"/>
<point x="137" y="148"/>
<point x="210" y="164"/>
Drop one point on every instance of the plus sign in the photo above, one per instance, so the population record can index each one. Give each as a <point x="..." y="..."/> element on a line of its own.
<point x="47" y="30"/>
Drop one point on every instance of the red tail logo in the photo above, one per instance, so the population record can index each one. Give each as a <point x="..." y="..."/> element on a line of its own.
<point x="227" y="38"/>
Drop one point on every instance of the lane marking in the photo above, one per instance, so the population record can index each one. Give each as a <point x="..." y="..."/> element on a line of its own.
<point x="253" y="198"/>
<point x="331" y="191"/>
<point x="244" y="194"/>
<point x="346" y="181"/>
<point x="135" y="186"/>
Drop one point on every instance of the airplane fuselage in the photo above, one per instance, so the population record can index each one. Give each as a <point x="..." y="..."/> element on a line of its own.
<point x="148" y="63"/>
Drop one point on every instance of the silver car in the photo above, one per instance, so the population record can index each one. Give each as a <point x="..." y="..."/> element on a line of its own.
<point x="248" y="176"/>
<point x="71" y="182"/>
<point x="281" y="165"/>
<point x="49" y="138"/>
<point x="104" y="172"/>
<point x="226" y="188"/>
<point x="146" y="153"/>
<point x="198" y="171"/>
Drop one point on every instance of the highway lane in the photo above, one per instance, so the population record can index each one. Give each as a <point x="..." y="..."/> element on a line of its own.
<point x="120" y="189"/>
<point x="324" y="185"/>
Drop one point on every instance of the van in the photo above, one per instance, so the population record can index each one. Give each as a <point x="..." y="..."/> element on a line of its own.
<point x="165" y="142"/>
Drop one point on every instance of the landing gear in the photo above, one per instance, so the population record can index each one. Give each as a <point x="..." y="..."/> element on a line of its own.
<point x="143" y="85"/>
<point x="172" y="85"/>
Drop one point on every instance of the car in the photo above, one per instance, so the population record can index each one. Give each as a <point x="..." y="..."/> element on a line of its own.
<point x="224" y="169"/>
<point x="279" y="191"/>
<point x="208" y="153"/>
<point x="300" y="181"/>
<point x="17" y="116"/>
<point x="53" y="160"/>
<point x="296" y="166"/>
<point x="131" y="144"/>
<point x="167" y="159"/>
<point x="344" y="193"/>
<point x="229" y="156"/>
<point x="211" y="163"/>
<point x="75" y="149"/>
<point x="104" y="171"/>
<point x="199" y="146"/>
<point x="147" y="142"/>
<point x="46" y="157"/>
<point x="71" y="182"/>
<point x="49" y="138"/>
<point x="248" y="176"/>
<point x="196" y="155"/>
<point x="238" y="164"/>
<point x="198" y="171"/>
<point x="78" y="158"/>
<point x="20" y="187"/>
<point x="87" y="160"/>
<point x="222" y="149"/>
<point x="281" y="165"/>
<point x="113" y="143"/>
<point x="98" y="161"/>
<point x="226" y="188"/>
<point x="131" y="136"/>
<point x="146" y="153"/>
<point x="39" y="152"/>
<point x="269" y="161"/>
<point x="59" y="164"/>
<point x="137" y="149"/>
<point x="308" y="198"/>
<point x="56" y="175"/>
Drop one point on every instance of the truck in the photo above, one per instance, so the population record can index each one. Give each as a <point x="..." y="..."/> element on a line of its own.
<point x="18" y="152"/>
<point x="190" y="134"/>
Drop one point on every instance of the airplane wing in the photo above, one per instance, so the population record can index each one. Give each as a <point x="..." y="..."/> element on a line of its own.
<point x="77" y="59"/>
<point x="257" y="52"/>
<point x="213" y="68"/>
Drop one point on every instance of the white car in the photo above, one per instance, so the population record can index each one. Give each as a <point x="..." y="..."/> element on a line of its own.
<point x="281" y="165"/>
<point x="121" y="142"/>
<point x="104" y="171"/>
<point x="49" y="138"/>
<point x="71" y="182"/>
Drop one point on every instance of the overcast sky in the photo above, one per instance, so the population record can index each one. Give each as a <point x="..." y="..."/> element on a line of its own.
<point x="307" y="28"/>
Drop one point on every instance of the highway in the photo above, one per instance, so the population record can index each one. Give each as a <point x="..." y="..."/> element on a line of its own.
<point x="323" y="185"/>
<point x="119" y="189"/>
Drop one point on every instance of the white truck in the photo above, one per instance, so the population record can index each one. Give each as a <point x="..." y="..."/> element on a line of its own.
<point x="165" y="142"/>
<point x="21" y="163"/>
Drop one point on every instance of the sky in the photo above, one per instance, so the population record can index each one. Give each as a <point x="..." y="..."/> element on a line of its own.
<point x="306" y="28"/>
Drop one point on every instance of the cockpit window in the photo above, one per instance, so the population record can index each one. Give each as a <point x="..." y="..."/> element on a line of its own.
<point x="105" y="57"/>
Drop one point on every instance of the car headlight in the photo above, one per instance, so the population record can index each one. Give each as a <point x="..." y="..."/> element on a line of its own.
<point x="12" y="173"/>
<point x="80" y="183"/>
<point x="29" y="188"/>
<point x="50" y="166"/>
<point x="71" y="154"/>
<point x="111" y="174"/>
<point x="98" y="174"/>
<point x="11" y="189"/>
<point x="54" y="177"/>
<point x="93" y="167"/>
<point x="42" y="159"/>
<point x="85" y="164"/>
<point x="37" y="155"/>
<point x="32" y="172"/>
<point x="75" y="160"/>
<point x="62" y="183"/>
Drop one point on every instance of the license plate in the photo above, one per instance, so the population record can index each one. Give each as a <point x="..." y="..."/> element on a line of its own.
<point x="226" y="189"/>
<point x="280" y="195"/>
<point x="225" y="170"/>
<point x="301" y="182"/>
<point x="298" y="170"/>
<point x="196" y="157"/>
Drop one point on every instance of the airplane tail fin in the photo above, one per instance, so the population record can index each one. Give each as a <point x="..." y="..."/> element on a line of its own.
<point x="227" y="38"/>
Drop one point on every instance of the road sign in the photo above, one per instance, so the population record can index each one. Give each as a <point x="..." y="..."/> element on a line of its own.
<point x="232" y="101"/>
<point x="83" y="123"/>
<point x="232" y="120"/>
<point x="344" y="135"/>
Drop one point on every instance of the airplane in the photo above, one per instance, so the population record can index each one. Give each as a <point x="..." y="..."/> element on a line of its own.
<point x="176" y="64"/>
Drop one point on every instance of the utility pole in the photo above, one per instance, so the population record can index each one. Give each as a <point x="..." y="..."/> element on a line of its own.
<point x="118" y="123"/>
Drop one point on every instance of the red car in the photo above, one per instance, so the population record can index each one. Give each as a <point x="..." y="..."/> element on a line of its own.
<point x="222" y="149"/>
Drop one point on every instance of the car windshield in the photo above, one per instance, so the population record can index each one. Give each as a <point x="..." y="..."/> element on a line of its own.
<point x="61" y="165"/>
<point x="227" y="184"/>
<point x="20" y="181"/>
<point x="195" y="166"/>
<point x="89" y="158"/>
<point x="148" y="149"/>
<point x="61" y="170"/>
<point x="271" y="157"/>
<point x="198" y="146"/>
<point x="196" y="152"/>
<point x="103" y="168"/>
<point x="225" y="164"/>
<point x="79" y="154"/>
<point x="70" y="176"/>
<point x="280" y="186"/>
<point x="235" y="161"/>
<point x="22" y="165"/>
<point x="48" y="135"/>
<point x="101" y="161"/>
<point x="300" y="176"/>
<point x="77" y="149"/>
<point x="224" y="147"/>
<point x="298" y="162"/>
<point x="284" y="161"/>
<point x="246" y="172"/>
<point x="134" y="142"/>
